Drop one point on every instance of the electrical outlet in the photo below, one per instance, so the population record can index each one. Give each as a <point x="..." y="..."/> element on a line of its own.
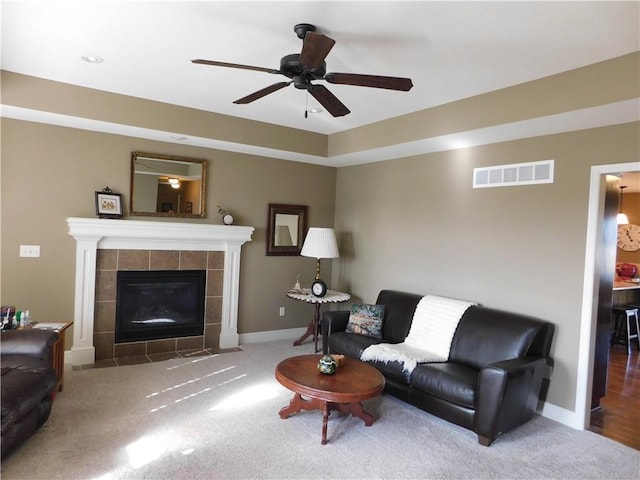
<point x="29" y="250"/>
<point x="282" y="311"/>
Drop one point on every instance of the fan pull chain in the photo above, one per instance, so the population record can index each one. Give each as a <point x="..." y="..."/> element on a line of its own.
<point x="306" y="105"/>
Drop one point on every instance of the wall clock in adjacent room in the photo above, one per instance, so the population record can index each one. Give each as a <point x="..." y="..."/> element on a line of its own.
<point x="629" y="237"/>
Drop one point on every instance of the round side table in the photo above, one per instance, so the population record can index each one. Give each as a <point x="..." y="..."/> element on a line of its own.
<point x="331" y="296"/>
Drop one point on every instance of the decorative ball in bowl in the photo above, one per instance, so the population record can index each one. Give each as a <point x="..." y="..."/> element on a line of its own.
<point x="327" y="365"/>
<point x="626" y="270"/>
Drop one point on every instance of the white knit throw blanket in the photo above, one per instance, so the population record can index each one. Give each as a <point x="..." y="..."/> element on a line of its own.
<point x="432" y="328"/>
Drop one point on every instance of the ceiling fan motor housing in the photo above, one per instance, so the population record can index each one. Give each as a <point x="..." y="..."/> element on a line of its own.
<point x="291" y="67"/>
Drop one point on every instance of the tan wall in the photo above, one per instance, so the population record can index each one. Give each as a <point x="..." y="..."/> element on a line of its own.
<point x="50" y="173"/>
<point x="416" y="224"/>
<point x="39" y="94"/>
<point x="598" y="84"/>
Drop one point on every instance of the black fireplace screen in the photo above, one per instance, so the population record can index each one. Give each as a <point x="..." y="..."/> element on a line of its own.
<point x="157" y="304"/>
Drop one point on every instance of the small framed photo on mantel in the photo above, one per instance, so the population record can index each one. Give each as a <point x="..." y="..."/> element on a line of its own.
<point x="108" y="204"/>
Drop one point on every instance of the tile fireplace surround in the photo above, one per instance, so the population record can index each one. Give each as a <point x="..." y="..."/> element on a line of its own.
<point x="161" y="245"/>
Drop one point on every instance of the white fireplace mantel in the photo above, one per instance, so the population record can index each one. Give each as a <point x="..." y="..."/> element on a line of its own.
<point x="92" y="234"/>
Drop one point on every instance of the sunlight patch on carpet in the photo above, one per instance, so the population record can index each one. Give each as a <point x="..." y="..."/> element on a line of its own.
<point x="195" y="360"/>
<point x="200" y="392"/>
<point x="249" y="396"/>
<point x="145" y="451"/>
<point x="189" y="382"/>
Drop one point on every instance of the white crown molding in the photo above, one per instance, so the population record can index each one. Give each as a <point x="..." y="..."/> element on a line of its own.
<point x="593" y="117"/>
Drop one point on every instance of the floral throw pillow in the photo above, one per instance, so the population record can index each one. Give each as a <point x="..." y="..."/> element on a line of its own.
<point x="366" y="320"/>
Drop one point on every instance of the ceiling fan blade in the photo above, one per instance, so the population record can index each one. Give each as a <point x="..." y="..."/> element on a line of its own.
<point x="261" y="93"/>
<point x="234" y="65"/>
<point x="375" y="81"/>
<point x="328" y="100"/>
<point x="315" y="48"/>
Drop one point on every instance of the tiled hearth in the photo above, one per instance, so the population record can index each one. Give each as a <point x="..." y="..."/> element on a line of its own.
<point x="109" y="262"/>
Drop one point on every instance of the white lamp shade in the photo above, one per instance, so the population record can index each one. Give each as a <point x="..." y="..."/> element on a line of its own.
<point x="320" y="243"/>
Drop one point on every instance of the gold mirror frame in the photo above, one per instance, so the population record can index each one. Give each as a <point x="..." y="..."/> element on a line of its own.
<point x="286" y="229"/>
<point x="151" y="194"/>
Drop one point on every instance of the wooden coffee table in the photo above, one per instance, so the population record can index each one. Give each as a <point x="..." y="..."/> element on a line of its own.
<point x="344" y="391"/>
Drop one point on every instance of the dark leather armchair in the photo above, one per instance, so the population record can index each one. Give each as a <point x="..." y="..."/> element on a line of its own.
<point x="28" y="384"/>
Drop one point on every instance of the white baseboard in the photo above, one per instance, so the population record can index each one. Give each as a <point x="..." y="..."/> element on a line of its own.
<point x="80" y="356"/>
<point x="562" y="415"/>
<point x="269" y="336"/>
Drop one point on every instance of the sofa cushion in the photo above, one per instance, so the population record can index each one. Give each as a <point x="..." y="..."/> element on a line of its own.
<point x="399" y="310"/>
<point x="485" y="336"/>
<point x="366" y="320"/>
<point x="392" y="369"/>
<point x="350" y="344"/>
<point x="452" y="382"/>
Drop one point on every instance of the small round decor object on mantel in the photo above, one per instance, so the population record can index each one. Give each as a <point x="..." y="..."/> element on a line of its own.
<point x="227" y="218"/>
<point x="327" y="365"/>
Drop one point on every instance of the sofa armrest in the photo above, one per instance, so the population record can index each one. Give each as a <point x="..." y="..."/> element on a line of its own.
<point x="332" y="321"/>
<point x="32" y="342"/>
<point x="507" y="395"/>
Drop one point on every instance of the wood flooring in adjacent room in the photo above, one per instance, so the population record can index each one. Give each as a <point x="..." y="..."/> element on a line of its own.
<point x="619" y="417"/>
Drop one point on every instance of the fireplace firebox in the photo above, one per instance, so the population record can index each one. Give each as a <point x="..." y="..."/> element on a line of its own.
<point x="159" y="304"/>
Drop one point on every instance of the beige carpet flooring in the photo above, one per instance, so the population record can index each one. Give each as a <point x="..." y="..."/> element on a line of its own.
<point x="217" y="417"/>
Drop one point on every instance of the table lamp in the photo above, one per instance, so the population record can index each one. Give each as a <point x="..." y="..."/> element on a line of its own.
<point x="320" y="243"/>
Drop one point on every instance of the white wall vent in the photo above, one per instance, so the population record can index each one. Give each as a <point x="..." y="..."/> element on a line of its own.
<point x="530" y="173"/>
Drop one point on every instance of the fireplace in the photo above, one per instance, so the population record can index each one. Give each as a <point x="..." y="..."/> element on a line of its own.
<point x="158" y="304"/>
<point x="146" y="245"/>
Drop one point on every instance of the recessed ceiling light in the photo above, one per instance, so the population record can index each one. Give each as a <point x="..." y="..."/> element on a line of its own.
<point x="92" y="58"/>
<point x="315" y="110"/>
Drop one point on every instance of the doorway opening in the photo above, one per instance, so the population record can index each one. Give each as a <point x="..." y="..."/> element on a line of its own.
<point x="591" y="286"/>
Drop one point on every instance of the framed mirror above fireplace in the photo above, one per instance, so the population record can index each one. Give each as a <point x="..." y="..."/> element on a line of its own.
<point x="168" y="185"/>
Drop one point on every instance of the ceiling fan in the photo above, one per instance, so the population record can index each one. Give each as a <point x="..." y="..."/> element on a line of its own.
<point x="309" y="65"/>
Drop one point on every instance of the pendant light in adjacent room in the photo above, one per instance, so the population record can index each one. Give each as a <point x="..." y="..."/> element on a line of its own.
<point x="622" y="218"/>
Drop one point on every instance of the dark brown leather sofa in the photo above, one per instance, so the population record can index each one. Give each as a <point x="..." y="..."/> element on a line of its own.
<point x="492" y="380"/>
<point x="28" y="384"/>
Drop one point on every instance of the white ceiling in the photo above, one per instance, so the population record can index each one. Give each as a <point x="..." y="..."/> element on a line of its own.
<point x="451" y="50"/>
